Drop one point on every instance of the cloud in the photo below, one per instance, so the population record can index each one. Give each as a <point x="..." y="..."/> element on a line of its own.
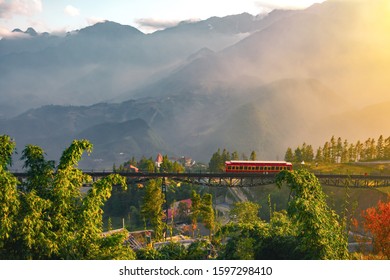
<point x="71" y="11"/>
<point x="284" y="4"/>
<point x="5" y="33"/>
<point x="152" y="24"/>
<point x="9" y="9"/>
<point x="94" y="20"/>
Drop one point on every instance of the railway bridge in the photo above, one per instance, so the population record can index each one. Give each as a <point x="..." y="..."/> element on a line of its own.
<point x="239" y="179"/>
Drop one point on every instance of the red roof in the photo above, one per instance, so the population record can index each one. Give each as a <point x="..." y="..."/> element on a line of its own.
<point x="159" y="158"/>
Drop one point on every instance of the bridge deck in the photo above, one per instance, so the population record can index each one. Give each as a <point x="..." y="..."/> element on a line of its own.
<point x="225" y="179"/>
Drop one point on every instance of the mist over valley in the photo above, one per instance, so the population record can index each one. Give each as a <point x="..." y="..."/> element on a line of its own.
<point x="242" y="82"/>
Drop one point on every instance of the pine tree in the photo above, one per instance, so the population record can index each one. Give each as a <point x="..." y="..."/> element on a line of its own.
<point x="344" y="154"/>
<point x="387" y="149"/>
<point x="235" y="156"/>
<point x="298" y="155"/>
<point x="289" y="156"/>
<point x="319" y="156"/>
<point x="216" y="162"/>
<point x="380" y="148"/>
<point x="253" y="156"/>
<point x="333" y="149"/>
<point x="326" y="152"/>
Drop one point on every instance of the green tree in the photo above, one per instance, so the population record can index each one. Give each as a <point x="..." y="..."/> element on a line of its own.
<point x="345" y="154"/>
<point x="242" y="240"/>
<point x="207" y="213"/>
<point x="387" y="148"/>
<point x="321" y="234"/>
<point x="359" y="151"/>
<point x="152" y="207"/>
<point x="216" y="163"/>
<point x="195" y="210"/>
<point x="146" y="165"/>
<point x="177" y="167"/>
<point x="326" y="152"/>
<point x="319" y="155"/>
<point x="339" y="150"/>
<point x="9" y="199"/>
<point x="333" y="149"/>
<point x="352" y="153"/>
<point x="380" y="148"/>
<point x="307" y="153"/>
<point x="50" y="219"/>
<point x="166" y="165"/>
<point x="253" y="156"/>
<point x="245" y="212"/>
<point x="225" y="157"/>
<point x="199" y="250"/>
<point x="235" y="156"/>
<point x="289" y="156"/>
<point x="40" y="172"/>
<point x="298" y="155"/>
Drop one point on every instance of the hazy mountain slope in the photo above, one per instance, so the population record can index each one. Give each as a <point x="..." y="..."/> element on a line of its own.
<point x="274" y="119"/>
<point x="343" y="44"/>
<point x="196" y="89"/>
<point x="100" y="62"/>
<point x="360" y="124"/>
<point x="267" y="119"/>
<point x="118" y="142"/>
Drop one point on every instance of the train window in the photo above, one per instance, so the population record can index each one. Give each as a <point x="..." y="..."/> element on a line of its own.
<point x="229" y="167"/>
<point x="241" y="167"/>
<point x="272" y="167"/>
<point x="245" y="167"/>
<point x="261" y="168"/>
<point x="257" y="168"/>
<point x="277" y="168"/>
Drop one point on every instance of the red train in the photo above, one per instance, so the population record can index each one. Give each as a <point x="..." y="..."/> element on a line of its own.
<point x="257" y="166"/>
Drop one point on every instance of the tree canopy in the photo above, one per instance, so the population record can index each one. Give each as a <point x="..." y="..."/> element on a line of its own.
<point x="47" y="217"/>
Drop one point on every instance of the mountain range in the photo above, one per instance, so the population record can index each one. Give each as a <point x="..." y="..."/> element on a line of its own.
<point x="240" y="82"/>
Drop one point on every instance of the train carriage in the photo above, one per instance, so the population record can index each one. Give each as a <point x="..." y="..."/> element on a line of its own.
<point x="240" y="166"/>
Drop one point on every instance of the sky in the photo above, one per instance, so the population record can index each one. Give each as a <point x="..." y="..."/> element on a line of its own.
<point x="146" y="15"/>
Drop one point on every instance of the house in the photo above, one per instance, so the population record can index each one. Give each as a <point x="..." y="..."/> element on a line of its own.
<point x="159" y="160"/>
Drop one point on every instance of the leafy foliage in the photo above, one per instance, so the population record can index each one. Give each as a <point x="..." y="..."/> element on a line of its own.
<point x="245" y="212"/>
<point x="152" y="207"/>
<point x="377" y="221"/>
<point x="320" y="232"/>
<point x="207" y="212"/>
<point x="48" y="218"/>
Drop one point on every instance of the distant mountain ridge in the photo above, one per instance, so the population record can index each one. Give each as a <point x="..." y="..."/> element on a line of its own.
<point x="240" y="82"/>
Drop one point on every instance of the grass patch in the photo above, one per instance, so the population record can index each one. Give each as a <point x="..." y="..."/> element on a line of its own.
<point x="358" y="168"/>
